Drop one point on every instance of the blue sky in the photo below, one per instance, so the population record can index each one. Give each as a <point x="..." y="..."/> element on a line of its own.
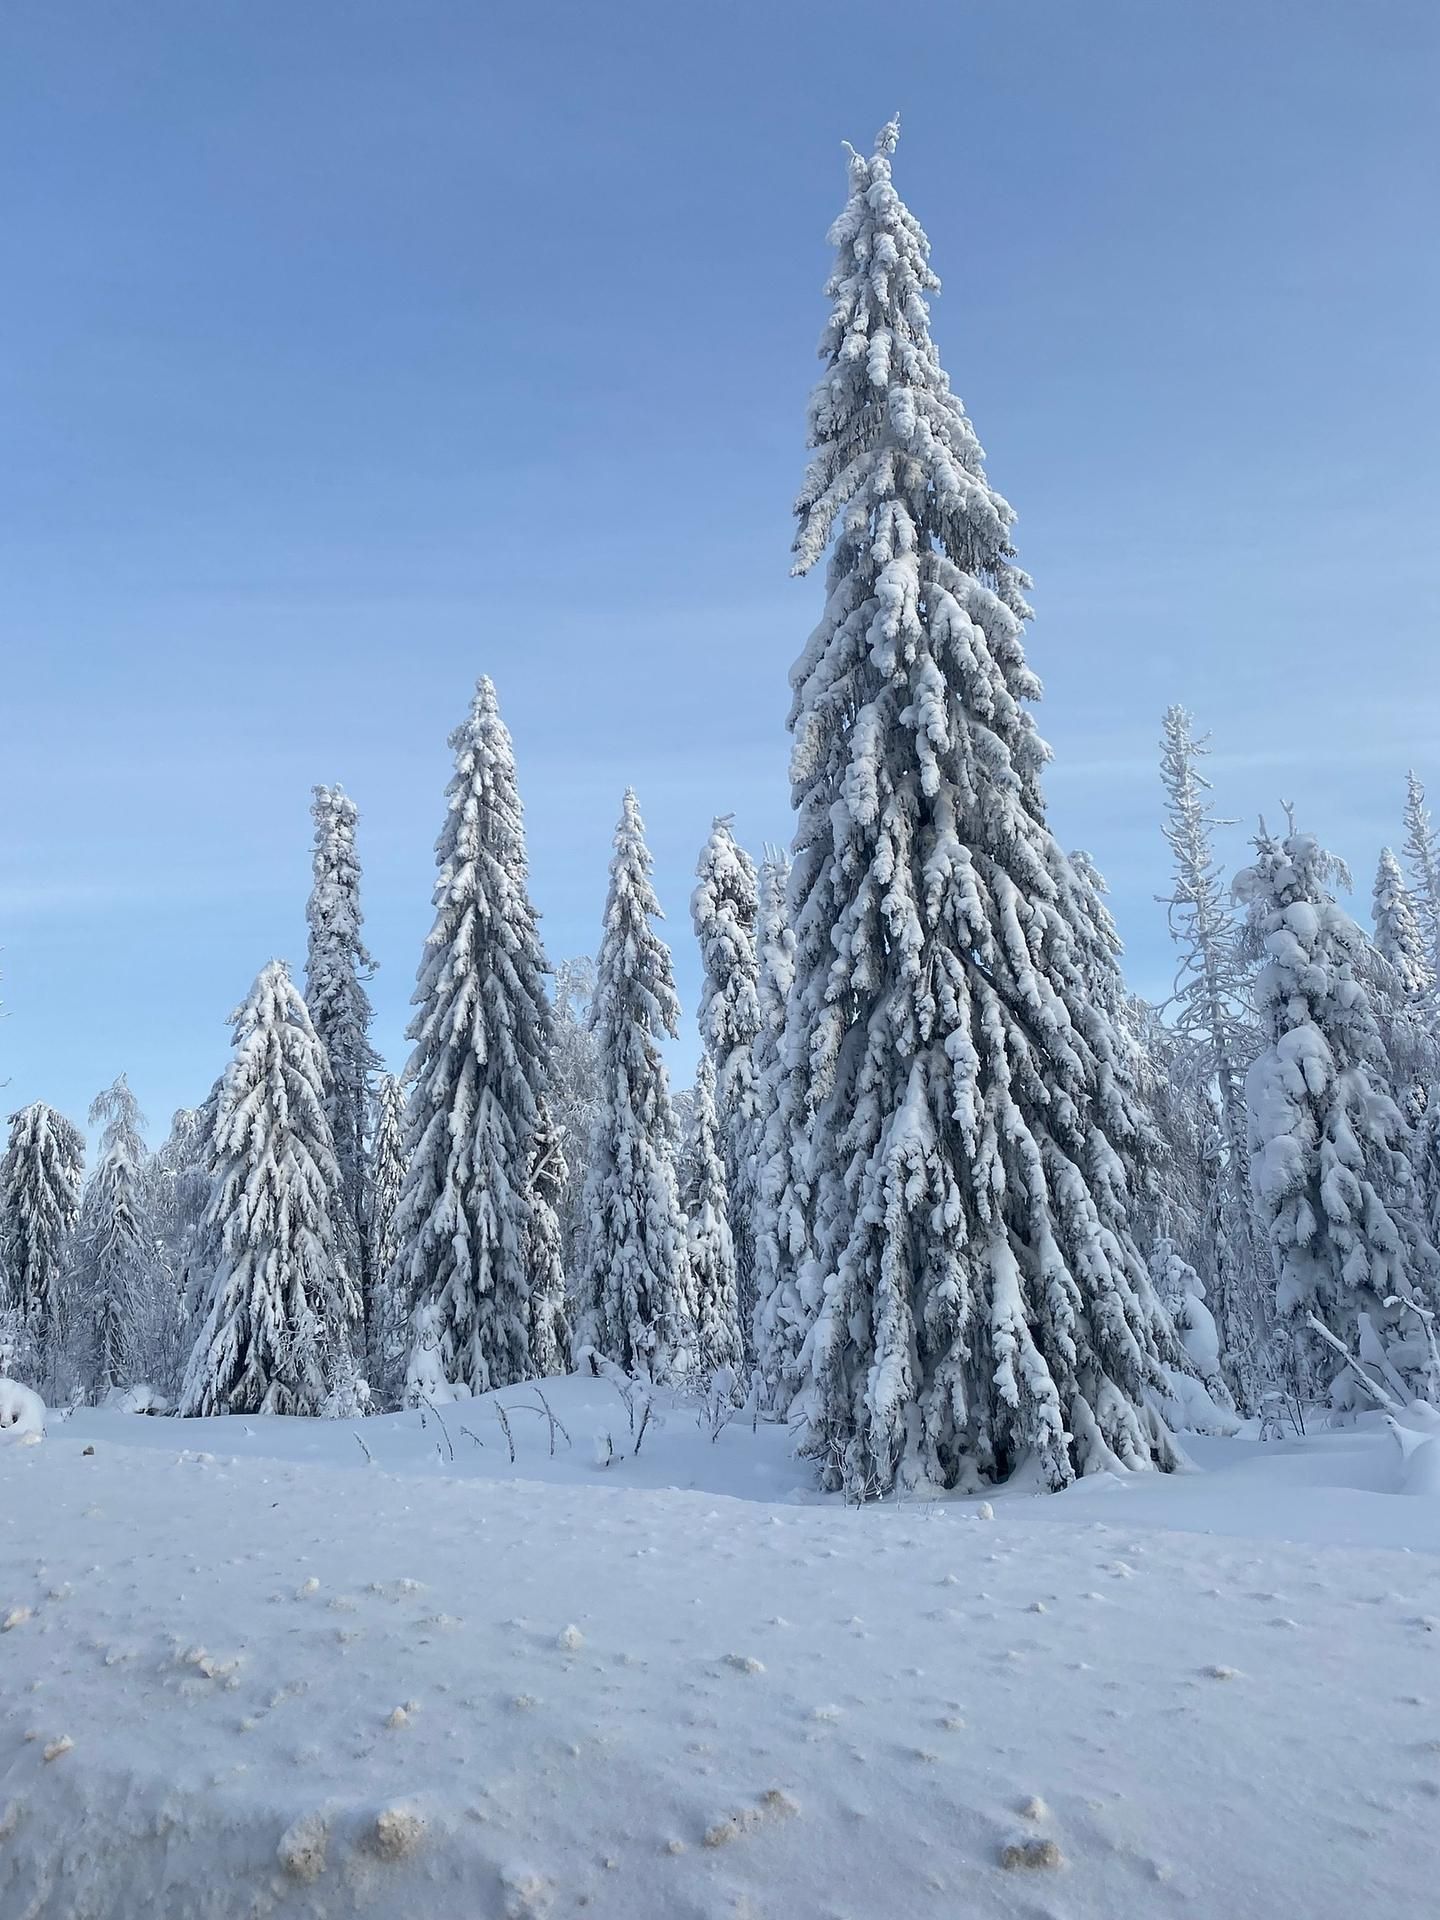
<point x="351" y="350"/>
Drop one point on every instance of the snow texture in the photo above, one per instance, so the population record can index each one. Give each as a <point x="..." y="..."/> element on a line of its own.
<point x="215" y="1622"/>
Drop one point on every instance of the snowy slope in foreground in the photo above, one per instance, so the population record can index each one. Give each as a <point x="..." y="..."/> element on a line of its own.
<point x="296" y="1684"/>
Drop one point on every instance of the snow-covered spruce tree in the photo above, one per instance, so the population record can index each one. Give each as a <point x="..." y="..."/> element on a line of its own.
<point x="477" y="1076"/>
<point x="1200" y="1399"/>
<point x="954" y="1252"/>
<point x="1332" y="1178"/>
<point x="1397" y="929"/>
<point x="704" y="1200"/>
<point x="117" y="1239"/>
<point x="1404" y="986"/>
<point x="336" y="967"/>
<point x="1422" y="855"/>
<point x="635" y="1285"/>
<point x="40" y="1192"/>
<point x="387" y="1180"/>
<point x="276" y="1335"/>
<point x="1210" y="1008"/>
<point x="549" y="1314"/>
<point x="725" y="906"/>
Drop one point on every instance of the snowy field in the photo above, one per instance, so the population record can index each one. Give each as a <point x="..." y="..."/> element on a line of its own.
<point x="246" y="1671"/>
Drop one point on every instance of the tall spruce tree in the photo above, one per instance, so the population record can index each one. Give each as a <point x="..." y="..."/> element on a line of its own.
<point x="725" y="908"/>
<point x="336" y="967"/>
<point x="952" y="1220"/>
<point x="704" y="1200"/>
<point x="478" y="1073"/>
<point x="276" y="1333"/>
<point x="118" y="1239"/>
<point x="1329" y="1147"/>
<point x="1422" y="854"/>
<point x="1210" y="1008"/>
<point x="635" y="1283"/>
<point x="40" y="1192"/>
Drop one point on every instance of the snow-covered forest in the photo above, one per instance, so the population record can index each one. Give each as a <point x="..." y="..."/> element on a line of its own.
<point x="950" y="1214"/>
<point x="948" y="1197"/>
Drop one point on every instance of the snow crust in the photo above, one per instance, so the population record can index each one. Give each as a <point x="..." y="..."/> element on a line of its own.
<point x="257" y="1667"/>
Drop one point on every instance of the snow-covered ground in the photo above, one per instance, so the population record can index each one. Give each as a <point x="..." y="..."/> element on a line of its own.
<point x="246" y="1670"/>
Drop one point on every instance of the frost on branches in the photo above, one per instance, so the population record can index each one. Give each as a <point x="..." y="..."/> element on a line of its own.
<point x="117" y="1240"/>
<point x="477" y="1075"/>
<point x="952" y="1219"/>
<point x="40" y="1181"/>
<point x="635" y="1283"/>
<point x="1328" y="1144"/>
<point x="725" y="906"/>
<point x="705" y="1202"/>
<point x="276" y="1334"/>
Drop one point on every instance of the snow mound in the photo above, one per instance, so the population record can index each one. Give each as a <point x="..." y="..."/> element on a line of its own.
<point x="139" y="1398"/>
<point x="1419" y="1456"/>
<point x="22" y="1413"/>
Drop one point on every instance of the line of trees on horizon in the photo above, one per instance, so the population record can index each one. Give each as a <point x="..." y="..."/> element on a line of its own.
<point x="946" y="1195"/>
